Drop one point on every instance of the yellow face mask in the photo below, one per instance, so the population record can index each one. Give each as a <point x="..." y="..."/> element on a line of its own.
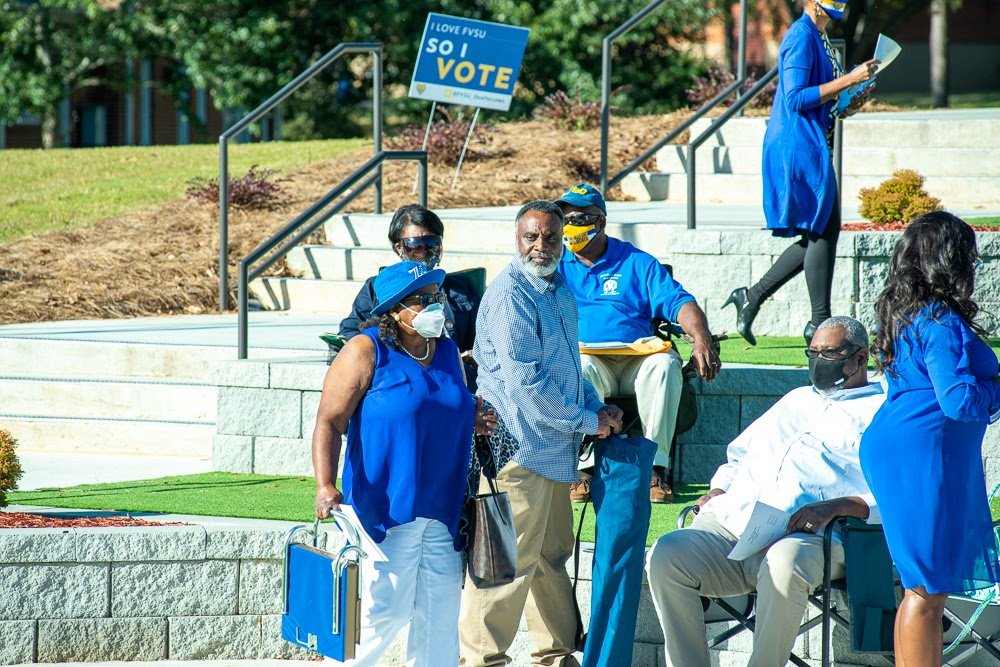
<point x="576" y="237"/>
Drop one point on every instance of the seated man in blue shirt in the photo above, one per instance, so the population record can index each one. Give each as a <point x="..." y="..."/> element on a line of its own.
<point x="620" y="290"/>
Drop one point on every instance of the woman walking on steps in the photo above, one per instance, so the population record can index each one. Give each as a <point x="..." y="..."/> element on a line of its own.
<point x="800" y="187"/>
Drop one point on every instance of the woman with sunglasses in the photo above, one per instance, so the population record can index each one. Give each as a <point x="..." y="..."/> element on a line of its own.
<point x="800" y="187"/>
<point x="416" y="235"/>
<point x="399" y="387"/>
<point x="922" y="453"/>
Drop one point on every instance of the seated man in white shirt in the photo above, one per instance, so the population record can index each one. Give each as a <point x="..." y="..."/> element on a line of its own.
<point x="801" y="456"/>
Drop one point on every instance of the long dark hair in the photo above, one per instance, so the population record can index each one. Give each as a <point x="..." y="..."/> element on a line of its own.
<point x="934" y="263"/>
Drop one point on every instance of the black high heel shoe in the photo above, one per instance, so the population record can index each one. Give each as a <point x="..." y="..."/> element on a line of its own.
<point x="745" y="313"/>
<point x="809" y="332"/>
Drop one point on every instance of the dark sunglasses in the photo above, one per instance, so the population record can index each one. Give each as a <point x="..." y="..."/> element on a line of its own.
<point x="833" y="355"/>
<point x="583" y="219"/>
<point x="427" y="299"/>
<point x="414" y="242"/>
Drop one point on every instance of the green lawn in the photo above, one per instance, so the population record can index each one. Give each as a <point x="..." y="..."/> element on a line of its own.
<point x="258" y="497"/>
<point x="922" y="100"/>
<point x="992" y="220"/>
<point x="67" y="188"/>
<point x="770" y="350"/>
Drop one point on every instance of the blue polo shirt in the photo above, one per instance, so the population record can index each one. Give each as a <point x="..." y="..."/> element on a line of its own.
<point x="622" y="293"/>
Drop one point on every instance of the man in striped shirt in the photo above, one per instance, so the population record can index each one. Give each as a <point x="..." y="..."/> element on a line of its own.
<point x="529" y="373"/>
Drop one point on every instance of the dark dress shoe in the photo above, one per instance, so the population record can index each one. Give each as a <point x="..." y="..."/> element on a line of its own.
<point x="808" y="332"/>
<point x="745" y="313"/>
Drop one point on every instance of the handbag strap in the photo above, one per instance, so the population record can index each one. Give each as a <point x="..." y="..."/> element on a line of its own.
<point x="487" y="461"/>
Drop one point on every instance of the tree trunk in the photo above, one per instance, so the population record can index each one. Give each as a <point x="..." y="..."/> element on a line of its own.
<point x="49" y="126"/>
<point x="939" y="53"/>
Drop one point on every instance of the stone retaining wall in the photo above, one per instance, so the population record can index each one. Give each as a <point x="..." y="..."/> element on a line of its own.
<point x="141" y="593"/>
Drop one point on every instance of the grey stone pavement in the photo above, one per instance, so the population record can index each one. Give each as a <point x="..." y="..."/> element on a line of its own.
<point x="187" y="663"/>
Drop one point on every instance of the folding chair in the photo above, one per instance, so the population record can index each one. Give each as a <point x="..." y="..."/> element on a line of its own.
<point x="873" y="636"/>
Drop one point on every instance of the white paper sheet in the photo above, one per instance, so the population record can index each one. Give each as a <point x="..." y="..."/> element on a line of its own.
<point x="369" y="545"/>
<point x="767" y="525"/>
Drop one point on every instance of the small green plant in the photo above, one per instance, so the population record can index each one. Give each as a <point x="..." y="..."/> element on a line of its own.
<point x="897" y="199"/>
<point x="10" y="467"/>
<point x="569" y="113"/>
<point x="257" y="190"/>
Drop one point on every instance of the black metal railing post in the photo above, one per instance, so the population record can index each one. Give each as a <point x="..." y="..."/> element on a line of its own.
<point x="838" y="136"/>
<point x="266" y="107"/>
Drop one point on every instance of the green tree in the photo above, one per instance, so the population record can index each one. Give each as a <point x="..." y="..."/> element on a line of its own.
<point x="51" y="48"/>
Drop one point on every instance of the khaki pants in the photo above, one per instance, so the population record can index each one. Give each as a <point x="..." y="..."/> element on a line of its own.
<point x="542" y="590"/>
<point x="691" y="562"/>
<point x="655" y="380"/>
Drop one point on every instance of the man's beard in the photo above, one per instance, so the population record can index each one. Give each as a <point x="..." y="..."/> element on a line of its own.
<point x="540" y="270"/>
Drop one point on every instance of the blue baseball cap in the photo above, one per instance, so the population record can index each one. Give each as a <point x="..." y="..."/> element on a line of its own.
<point x="400" y="280"/>
<point x="584" y="195"/>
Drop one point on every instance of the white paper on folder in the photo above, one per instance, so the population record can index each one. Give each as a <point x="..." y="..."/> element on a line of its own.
<point x="369" y="545"/>
<point x="767" y="525"/>
<point x="886" y="51"/>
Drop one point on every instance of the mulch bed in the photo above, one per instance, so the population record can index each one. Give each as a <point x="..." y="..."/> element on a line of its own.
<point x="25" y="520"/>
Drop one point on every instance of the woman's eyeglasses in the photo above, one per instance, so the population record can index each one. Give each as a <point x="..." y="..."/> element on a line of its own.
<point x="425" y="242"/>
<point x="835" y="354"/>
<point x="427" y="299"/>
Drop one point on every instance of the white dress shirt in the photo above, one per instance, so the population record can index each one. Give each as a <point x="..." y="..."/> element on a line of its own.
<point x="803" y="450"/>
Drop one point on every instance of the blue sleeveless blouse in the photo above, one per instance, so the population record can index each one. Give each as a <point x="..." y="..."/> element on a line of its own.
<point x="409" y="441"/>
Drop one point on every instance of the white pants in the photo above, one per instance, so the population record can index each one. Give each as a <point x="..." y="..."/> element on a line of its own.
<point x="655" y="380"/>
<point x="420" y="584"/>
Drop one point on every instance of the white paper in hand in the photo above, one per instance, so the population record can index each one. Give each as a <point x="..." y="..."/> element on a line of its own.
<point x="767" y="525"/>
<point x="886" y="51"/>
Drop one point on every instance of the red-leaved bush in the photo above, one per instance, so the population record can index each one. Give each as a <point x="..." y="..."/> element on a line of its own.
<point x="256" y="190"/>
<point x="445" y="140"/>
<point x="717" y="78"/>
<point x="569" y="113"/>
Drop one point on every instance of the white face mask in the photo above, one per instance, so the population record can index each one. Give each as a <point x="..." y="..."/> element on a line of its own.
<point x="429" y="322"/>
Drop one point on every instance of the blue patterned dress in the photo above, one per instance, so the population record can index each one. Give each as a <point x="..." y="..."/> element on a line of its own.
<point x="922" y="455"/>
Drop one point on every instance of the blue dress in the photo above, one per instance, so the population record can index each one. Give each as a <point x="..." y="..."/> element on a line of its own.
<point x="922" y="455"/>
<point x="409" y="441"/>
<point x="800" y="187"/>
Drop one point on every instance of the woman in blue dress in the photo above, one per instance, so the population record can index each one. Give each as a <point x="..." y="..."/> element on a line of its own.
<point x="399" y="386"/>
<point x="922" y="453"/>
<point x="800" y="187"/>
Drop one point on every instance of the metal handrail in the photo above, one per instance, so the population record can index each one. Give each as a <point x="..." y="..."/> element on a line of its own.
<point x="838" y="144"/>
<point x="375" y="48"/>
<point x="711" y="130"/>
<point x="606" y="94"/>
<point x="304" y="224"/>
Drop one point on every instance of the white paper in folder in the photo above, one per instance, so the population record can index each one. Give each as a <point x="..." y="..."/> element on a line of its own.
<point x="767" y="525"/>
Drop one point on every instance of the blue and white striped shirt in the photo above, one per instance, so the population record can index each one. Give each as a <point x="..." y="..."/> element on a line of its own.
<point x="529" y="369"/>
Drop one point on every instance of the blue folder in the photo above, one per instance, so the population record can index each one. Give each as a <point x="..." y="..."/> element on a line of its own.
<point x="322" y="610"/>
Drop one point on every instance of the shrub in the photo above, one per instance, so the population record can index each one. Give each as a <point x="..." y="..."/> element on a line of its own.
<point x="444" y="140"/>
<point x="10" y="467"/>
<point x="569" y="113"/>
<point x="257" y="190"/>
<point x="897" y="199"/>
<point x="717" y="78"/>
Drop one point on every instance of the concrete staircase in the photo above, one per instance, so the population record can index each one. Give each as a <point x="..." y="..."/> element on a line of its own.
<point x="957" y="151"/>
<point x="93" y="389"/>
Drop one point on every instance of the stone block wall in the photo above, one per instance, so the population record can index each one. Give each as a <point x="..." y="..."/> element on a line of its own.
<point x="142" y="593"/>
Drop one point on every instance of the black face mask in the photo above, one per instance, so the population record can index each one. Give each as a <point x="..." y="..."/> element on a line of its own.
<point x="827" y="375"/>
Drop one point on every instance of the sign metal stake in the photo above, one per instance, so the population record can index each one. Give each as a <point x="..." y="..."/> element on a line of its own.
<point x="423" y="146"/>
<point x="461" y="157"/>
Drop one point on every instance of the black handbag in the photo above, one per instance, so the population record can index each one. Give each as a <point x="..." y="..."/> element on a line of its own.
<point x="491" y="549"/>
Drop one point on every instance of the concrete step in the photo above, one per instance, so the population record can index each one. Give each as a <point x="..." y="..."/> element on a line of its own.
<point x="954" y="192"/>
<point x="110" y="436"/>
<point x="333" y="296"/>
<point x="857" y="160"/>
<point x="886" y="130"/>
<point x="150" y="399"/>
<point x="331" y="263"/>
<point x="67" y="357"/>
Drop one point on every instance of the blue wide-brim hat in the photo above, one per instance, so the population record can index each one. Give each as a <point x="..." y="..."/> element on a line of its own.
<point x="400" y="280"/>
<point x="833" y="8"/>
<point x="584" y="195"/>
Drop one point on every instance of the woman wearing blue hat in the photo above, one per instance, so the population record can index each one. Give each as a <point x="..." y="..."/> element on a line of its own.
<point x="800" y="186"/>
<point x="400" y="389"/>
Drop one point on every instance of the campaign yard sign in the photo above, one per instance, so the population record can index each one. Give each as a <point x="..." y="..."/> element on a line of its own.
<point x="464" y="61"/>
